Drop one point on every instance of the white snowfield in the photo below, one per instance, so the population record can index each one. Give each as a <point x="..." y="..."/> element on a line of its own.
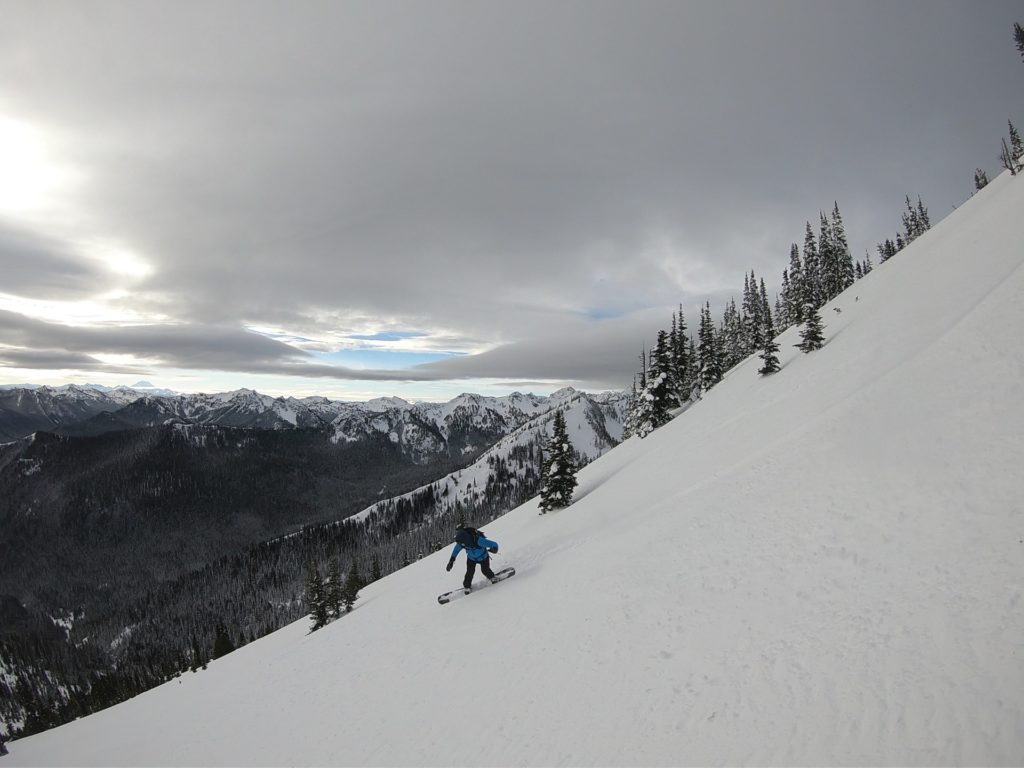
<point x="822" y="567"/>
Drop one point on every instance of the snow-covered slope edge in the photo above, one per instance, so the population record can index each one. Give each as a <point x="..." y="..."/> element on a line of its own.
<point x="821" y="567"/>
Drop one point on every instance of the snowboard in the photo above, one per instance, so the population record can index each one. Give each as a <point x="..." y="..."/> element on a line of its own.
<point x="455" y="594"/>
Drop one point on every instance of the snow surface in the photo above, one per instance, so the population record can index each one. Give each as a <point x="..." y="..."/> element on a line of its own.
<point x="819" y="567"/>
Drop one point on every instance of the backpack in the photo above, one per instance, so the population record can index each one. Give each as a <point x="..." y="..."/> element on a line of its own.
<point x="467" y="537"/>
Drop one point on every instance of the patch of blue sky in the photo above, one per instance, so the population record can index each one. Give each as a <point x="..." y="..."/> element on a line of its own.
<point x="382" y="359"/>
<point x="389" y="336"/>
<point x="610" y="312"/>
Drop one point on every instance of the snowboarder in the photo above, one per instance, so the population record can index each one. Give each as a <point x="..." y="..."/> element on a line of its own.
<point x="477" y="548"/>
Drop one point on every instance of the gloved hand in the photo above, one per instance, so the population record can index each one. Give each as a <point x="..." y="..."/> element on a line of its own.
<point x="493" y="550"/>
<point x="450" y="564"/>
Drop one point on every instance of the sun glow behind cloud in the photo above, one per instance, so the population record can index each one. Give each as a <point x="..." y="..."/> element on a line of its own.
<point x="31" y="179"/>
<point x="118" y="259"/>
<point x="103" y="310"/>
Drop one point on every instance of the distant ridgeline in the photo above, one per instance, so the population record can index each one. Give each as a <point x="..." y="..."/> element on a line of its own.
<point x="142" y="535"/>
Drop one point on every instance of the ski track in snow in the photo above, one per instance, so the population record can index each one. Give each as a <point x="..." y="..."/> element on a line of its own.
<point x="822" y="567"/>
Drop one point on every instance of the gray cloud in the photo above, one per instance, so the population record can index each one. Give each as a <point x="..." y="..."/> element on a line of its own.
<point x="58" y="359"/>
<point x="34" y="265"/>
<point x="601" y="360"/>
<point x="494" y="171"/>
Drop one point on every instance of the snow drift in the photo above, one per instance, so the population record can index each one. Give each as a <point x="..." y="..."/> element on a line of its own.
<point x="819" y="567"/>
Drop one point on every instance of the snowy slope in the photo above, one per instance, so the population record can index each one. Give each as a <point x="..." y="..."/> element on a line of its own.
<point x="823" y="567"/>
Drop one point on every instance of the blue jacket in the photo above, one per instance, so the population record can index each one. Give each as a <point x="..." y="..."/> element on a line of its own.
<point x="478" y="553"/>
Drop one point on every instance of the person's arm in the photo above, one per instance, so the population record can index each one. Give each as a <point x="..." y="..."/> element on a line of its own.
<point x="490" y="546"/>
<point x="451" y="560"/>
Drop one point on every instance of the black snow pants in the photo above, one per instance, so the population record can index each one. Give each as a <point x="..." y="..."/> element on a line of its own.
<point x="485" y="568"/>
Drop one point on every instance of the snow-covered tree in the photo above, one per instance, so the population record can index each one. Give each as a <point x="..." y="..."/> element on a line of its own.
<point x="709" y="360"/>
<point x="659" y="384"/>
<point x="980" y="179"/>
<point x="766" y="309"/>
<point x="828" y="261"/>
<point x="794" y="301"/>
<point x="922" y="217"/>
<point x="334" y="592"/>
<point x="732" y="336"/>
<point x="558" y="480"/>
<point x="811" y="334"/>
<point x="1016" y="149"/>
<point x="1006" y="159"/>
<point x="631" y="421"/>
<point x="353" y="583"/>
<point x="812" y="270"/>
<point x="770" y="350"/>
<point x="641" y="415"/>
<point x="844" y="259"/>
<point x="754" y="306"/>
<point x="680" y="379"/>
<point x="314" y="597"/>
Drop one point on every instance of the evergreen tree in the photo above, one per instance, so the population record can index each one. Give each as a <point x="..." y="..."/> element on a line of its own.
<point x="911" y="223"/>
<point x="782" y="301"/>
<point x="709" y="361"/>
<point x="858" y="271"/>
<point x="867" y="263"/>
<point x="375" y="571"/>
<point x="733" y="336"/>
<point x="753" y="318"/>
<point x="812" y="271"/>
<point x="222" y="644"/>
<point x="797" y="288"/>
<point x="1007" y="161"/>
<point x="828" y="261"/>
<point x="640" y="419"/>
<point x="631" y="422"/>
<point x="980" y="179"/>
<point x="680" y="378"/>
<point x="811" y="334"/>
<point x="766" y="311"/>
<point x="1018" y="37"/>
<point x="886" y="251"/>
<point x="559" y="479"/>
<point x="844" y="259"/>
<point x="693" y="365"/>
<point x="334" y="593"/>
<point x="1016" y="149"/>
<point x="353" y="583"/>
<point x="770" y="352"/>
<point x="314" y="597"/>
<point x="660" y="384"/>
<point x="922" y="218"/>
<point x="198" y="658"/>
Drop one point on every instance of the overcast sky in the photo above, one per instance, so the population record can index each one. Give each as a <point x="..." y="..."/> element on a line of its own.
<point x="422" y="198"/>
